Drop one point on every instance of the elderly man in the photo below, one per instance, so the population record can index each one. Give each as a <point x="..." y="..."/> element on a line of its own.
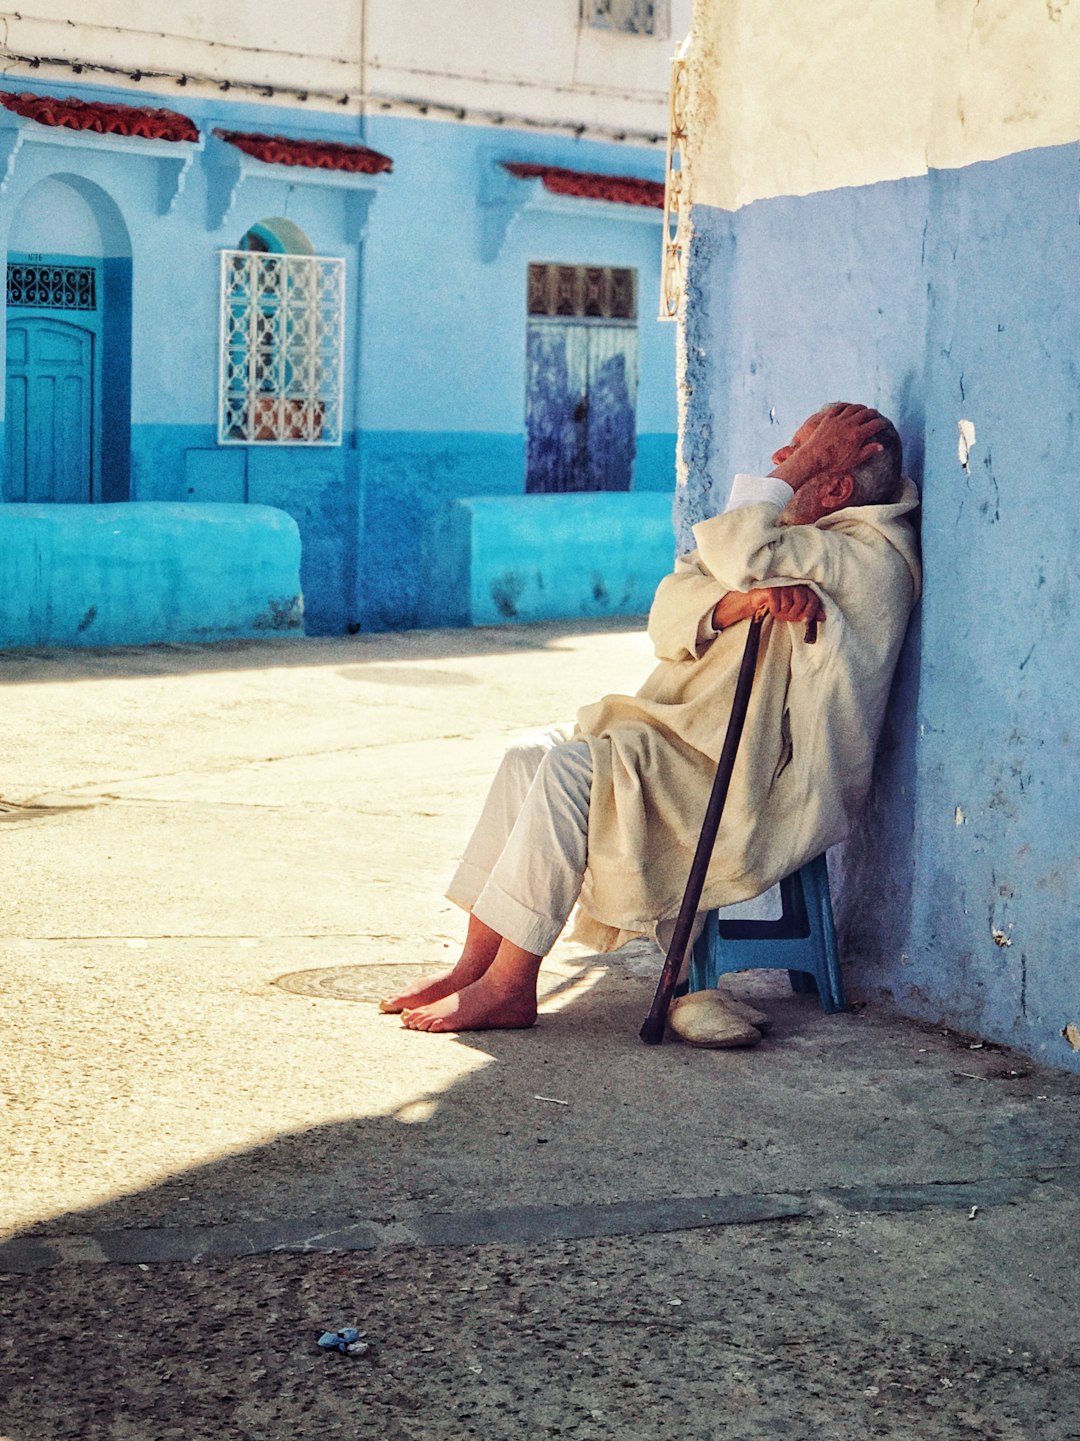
<point x="607" y="813"/>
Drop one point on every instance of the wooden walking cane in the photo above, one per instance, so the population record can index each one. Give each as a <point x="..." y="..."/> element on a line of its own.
<point x="652" y="1032"/>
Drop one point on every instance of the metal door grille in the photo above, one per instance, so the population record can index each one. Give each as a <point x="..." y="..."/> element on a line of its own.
<point x="282" y="347"/>
<point x="51" y="287"/>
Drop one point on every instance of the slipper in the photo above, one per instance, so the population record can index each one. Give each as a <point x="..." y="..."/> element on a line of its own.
<point x="704" y="1018"/>
<point x="748" y="1013"/>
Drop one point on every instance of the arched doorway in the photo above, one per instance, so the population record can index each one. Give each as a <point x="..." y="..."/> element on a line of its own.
<point x="53" y="444"/>
<point x="68" y="367"/>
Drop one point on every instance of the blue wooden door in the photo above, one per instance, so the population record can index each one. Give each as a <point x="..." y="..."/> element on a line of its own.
<point x="49" y="426"/>
<point x="580" y="405"/>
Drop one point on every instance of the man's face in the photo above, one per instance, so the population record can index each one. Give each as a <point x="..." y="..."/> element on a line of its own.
<point x="805" y="506"/>
<point x="803" y="434"/>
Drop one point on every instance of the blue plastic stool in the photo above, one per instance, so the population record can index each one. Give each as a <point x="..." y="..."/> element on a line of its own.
<point x="802" y="941"/>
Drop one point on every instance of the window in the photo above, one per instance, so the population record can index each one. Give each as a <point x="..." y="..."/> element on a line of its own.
<point x="632" y="17"/>
<point x="581" y="378"/>
<point x="282" y="333"/>
<point x="587" y="292"/>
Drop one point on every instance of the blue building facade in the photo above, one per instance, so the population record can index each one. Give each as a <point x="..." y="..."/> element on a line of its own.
<point x="419" y="384"/>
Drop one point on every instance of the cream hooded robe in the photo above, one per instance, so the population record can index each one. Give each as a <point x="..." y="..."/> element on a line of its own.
<point x="807" y="752"/>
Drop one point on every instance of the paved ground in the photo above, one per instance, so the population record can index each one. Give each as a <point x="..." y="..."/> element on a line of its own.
<point x="214" y="1147"/>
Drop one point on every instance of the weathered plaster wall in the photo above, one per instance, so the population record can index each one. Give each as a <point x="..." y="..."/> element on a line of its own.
<point x="508" y="56"/>
<point x="791" y="99"/>
<point x="941" y="293"/>
<point x="441" y="400"/>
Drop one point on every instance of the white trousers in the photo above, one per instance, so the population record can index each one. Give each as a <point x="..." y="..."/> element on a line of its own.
<point x="523" y="866"/>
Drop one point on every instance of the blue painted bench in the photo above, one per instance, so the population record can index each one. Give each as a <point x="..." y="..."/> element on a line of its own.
<point x="504" y="560"/>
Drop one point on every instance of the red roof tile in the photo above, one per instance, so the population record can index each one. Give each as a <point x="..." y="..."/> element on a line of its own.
<point x="315" y="154"/>
<point x="141" y="122"/>
<point x="622" y="189"/>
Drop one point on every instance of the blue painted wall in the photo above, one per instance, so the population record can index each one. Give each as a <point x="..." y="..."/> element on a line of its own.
<point x="937" y="299"/>
<point x="103" y="575"/>
<point x="435" y="328"/>
<point x="536" y="557"/>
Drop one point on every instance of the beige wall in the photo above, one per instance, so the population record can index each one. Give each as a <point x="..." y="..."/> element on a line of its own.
<point x="788" y="99"/>
<point x="519" y="58"/>
<point x="315" y="44"/>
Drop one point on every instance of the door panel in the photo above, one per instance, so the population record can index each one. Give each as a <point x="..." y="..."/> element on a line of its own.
<point x="50" y="370"/>
<point x="581" y="388"/>
<point x="612" y="391"/>
<point x="556" y="408"/>
<point x="15" y="433"/>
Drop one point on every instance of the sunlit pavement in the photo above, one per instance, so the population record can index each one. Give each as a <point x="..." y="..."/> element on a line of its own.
<point x="216" y="860"/>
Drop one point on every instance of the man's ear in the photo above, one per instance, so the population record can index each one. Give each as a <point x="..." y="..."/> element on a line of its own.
<point x="836" y="491"/>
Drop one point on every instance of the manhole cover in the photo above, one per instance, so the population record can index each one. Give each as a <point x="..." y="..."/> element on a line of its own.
<point x="352" y="983"/>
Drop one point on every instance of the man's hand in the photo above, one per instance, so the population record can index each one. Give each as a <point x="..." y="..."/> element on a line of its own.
<point x="783" y="602"/>
<point x="835" y="442"/>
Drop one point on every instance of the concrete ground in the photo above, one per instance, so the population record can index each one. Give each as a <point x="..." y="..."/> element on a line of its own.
<point x="215" y="861"/>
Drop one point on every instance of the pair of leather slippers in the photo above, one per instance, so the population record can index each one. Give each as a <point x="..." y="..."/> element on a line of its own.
<point x="716" y="1021"/>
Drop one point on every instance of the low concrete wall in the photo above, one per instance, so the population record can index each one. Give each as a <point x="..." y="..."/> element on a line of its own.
<point x="502" y="560"/>
<point x="144" y="572"/>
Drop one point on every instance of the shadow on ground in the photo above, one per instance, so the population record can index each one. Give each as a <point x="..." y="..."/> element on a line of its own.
<point x="523" y="1250"/>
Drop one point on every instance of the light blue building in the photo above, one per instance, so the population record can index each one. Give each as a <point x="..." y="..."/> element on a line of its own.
<point x="411" y="335"/>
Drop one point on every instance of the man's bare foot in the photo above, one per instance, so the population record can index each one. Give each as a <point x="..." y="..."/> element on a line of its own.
<point x="481" y="948"/>
<point x="482" y="1006"/>
<point x="434" y="988"/>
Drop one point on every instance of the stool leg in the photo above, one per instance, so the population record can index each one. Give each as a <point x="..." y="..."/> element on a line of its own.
<point x="703" y="974"/>
<point x="820" y="902"/>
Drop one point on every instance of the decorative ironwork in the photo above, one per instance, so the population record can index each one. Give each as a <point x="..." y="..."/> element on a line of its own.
<point x="676" y="240"/>
<point x="583" y="292"/>
<point x="282" y="344"/>
<point x="52" y="287"/>
<point x="633" y="17"/>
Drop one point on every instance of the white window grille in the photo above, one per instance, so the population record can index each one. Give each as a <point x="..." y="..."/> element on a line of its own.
<point x="282" y="347"/>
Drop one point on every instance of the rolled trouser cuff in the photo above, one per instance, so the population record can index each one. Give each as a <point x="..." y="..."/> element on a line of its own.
<point x="466" y="884"/>
<point x="528" y="929"/>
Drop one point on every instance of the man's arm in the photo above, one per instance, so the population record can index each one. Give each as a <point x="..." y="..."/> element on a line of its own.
<point x="690" y="607"/>
<point x="790" y="603"/>
<point x="681" y="623"/>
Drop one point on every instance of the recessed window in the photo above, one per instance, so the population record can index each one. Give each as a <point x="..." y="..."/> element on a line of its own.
<point x="632" y="17"/>
<point x="585" y="292"/>
<point x="282" y="332"/>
